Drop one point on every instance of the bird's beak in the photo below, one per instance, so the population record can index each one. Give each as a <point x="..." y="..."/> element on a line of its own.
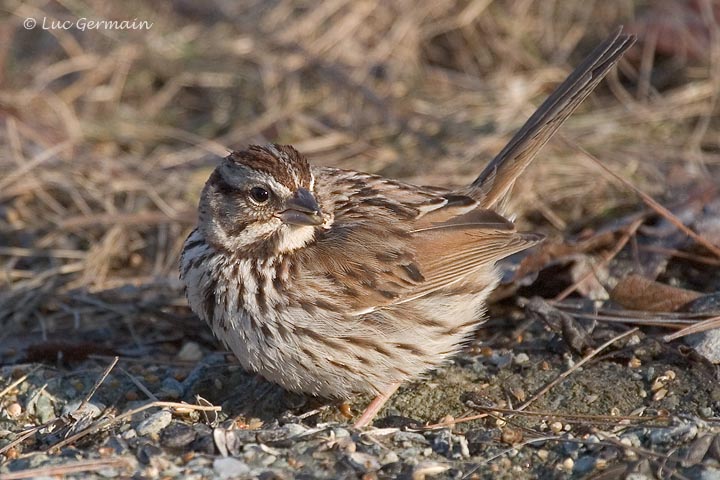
<point x="302" y="209"/>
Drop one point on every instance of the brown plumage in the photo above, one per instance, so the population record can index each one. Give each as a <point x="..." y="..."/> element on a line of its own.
<point x="332" y="282"/>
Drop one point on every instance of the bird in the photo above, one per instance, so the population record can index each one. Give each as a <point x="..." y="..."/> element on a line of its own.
<point x="333" y="282"/>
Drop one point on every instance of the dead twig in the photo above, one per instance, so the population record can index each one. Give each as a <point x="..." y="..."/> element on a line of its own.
<point x="649" y="201"/>
<point x="106" y="422"/>
<point x="579" y="364"/>
<point x="629" y="232"/>
<point x="92" y="465"/>
<point x="18" y="381"/>
<point x="702" y="326"/>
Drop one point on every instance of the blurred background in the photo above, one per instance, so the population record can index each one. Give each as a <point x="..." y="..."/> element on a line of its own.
<point x="108" y="134"/>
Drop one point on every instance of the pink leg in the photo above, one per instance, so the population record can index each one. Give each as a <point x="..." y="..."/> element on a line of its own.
<point x="375" y="406"/>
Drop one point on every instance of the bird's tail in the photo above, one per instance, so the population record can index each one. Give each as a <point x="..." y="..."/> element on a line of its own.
<point x="495" y="182"/>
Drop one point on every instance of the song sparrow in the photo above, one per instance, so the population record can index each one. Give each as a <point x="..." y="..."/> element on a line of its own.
<point x="333" y="282"/>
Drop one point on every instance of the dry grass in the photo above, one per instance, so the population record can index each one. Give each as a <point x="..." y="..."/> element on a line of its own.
<point x="107" y="136"/>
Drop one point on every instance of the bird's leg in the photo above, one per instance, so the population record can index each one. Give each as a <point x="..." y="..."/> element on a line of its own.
<point x="375" y="406"/>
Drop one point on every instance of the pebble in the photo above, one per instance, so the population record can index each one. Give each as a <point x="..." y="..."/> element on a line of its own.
<point x="680" y="433"/>
<point x="147" y="451"/>
<point x="637" y="476"/>
<point x="90" y="409"/>
<point x="556" y="427"/>
<point x="521" y="359"/>
<point x="442" y="443"/>
<point x="706" y="344"/>
<point x="109" y="472"/>
<point x="294" y="429"/>
<point x="464" y="447"/>
<point x="268" y="460"/>
<point x="154" y="424"/>
<point x="424" y="469"/>
<point x="190" y="352"/>
<point x="631" y="439"/>
<point x="230" y="467"/>
<point x="389" y="457"/>
<point x="14" y="410"/>
<point x="117" y="444"/>
<point x="500" y="361"/>
<point x="44" y="409"/>
<point x="270" y="436"/>
<point x="171" y="389"/>
<point x="363" y="462"/>
<point x="410" y="437"/>
<point x="178" y="435"/>
<point x="695" y="453"/>
<point x="584" y="465"/>
<point x="571" y="449"/>
<point x="710" y="473"/>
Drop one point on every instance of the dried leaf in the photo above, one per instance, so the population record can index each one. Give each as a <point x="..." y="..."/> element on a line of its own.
<point x="635" y="292"/>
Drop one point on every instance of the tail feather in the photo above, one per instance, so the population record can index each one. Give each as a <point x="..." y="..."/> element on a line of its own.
<point x="495" y="182"/>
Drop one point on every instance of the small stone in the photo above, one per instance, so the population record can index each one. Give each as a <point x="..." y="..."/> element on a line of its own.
<point x="426" y="468"/>
<point x="117" y="445"/>
<point x="44" y="409"/>
<point x="230" y="467"/>
<point x="171" y="389"/>
<point x="632" y="439"/>
<point x="340" y="432"/>
<point x="154" y="424"/>
<point x="571" y="449"/>
<point x="584" y="465"/>
<point x="271" y="436"/>
<point x="556" y="427"/>
<point x="682" y="432"/>
<point x="442" y="443"/>
<point x="364" y="462"/>
<point x="190" y="352"/>
<point x="521" y="359"/>
<point x="108" y="472"/>
<point x="178" y="435"/>
<point x="706" y="344"/>
<point x="14" y="410"/>
<point x="346" y="445"/>
<point x="268" y="460"/>
<point x="511" y="436"/>
<point x="568" y="464"/>
<point x="146" y="452"/>
<point x="294" y="429"/>
<point x="660" y="394"/>
<point x="501" y="360"/>
<point x="464" y="447"/>
<point x="710" y="473"/>
<point x="410" y="437"/>
<point x="203" y="444"/>
<point x="697" y="450"/>
<point x="389" y="457"/>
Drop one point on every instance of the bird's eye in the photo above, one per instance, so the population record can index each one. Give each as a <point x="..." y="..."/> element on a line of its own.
<point x="259" y="194"/>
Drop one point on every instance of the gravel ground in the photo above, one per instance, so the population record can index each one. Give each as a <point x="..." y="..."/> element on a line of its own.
<point x="639" y="406"/>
